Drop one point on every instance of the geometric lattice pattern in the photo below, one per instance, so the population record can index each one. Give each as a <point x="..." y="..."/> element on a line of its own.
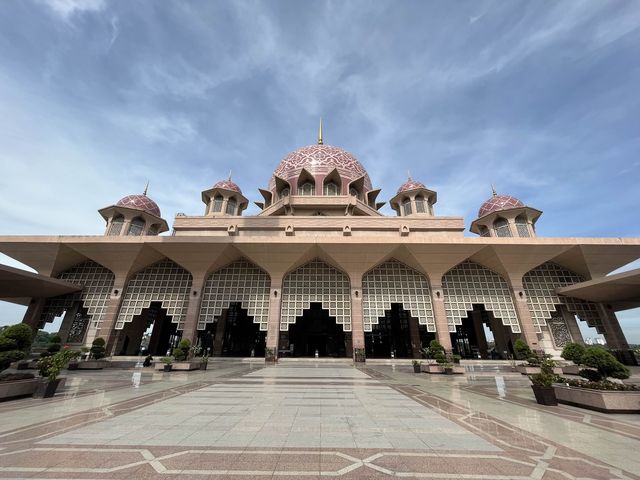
<point x="316" y="282"/>
<point x="540" y="286"/>
<point x="96" y="282"/>
<point x="497" y="203"/>
<point x="241" y="282"/>
<point x="164" y="281"/>
<point x="394" y="282"/>
<point x="470" y="283"/>
<point x="140" y="202"/>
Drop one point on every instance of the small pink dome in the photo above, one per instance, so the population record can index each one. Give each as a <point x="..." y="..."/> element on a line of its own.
<point x="497" y="203"/>
<point x="410" y="184"/>
<point x="140" y="202"/>
<point x="229" y="185"/>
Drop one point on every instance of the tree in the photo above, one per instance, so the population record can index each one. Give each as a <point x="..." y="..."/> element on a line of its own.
<point x="522" y="350"/>
<point x="605" y="363"/>
<point x="573" y="352"/>
<point x="21" y="333"/>
<point x="15" y="343"/>
<point x="97" y="349"/>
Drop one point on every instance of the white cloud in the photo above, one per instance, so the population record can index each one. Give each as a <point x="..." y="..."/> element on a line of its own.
<point x="67" y="8"/>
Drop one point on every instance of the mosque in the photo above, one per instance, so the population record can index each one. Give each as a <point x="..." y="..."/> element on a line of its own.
<point x="321" y="271"/>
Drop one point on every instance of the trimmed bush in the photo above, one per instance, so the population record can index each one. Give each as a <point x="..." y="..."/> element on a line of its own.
<point x="7" y="344"/>
<point x="97" y="349"/>
<point x="522" y="350"/>
<point x="15" y="342"/>
<point x="55" y="344"/>
<point x="21" y="333"/>
<point x="605" y="363"/>
<point x="573" y="352"/>
<point x="181" y="352"/>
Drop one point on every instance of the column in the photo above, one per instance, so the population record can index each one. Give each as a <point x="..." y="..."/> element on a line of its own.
<point x="478" y="326"/>
<point x="612" y="332"/>
<point x="106" y="328"/>
<point x="218" y="340"/>
<point x="440" y="315"/>
<point x="572" y="326"/>
<point x="357" y="322"/>
<point x="190" y="327"/>
<point x="414" y="333"/>
<point x="273" y="324"/>
<point x="33" y="314"/>
<point x="527" y="328"/>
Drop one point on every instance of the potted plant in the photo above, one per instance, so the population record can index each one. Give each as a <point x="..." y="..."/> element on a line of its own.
<point x="168" y="363"/>
<point x="204" y="362"/>
<point x="416" y="366"/>
<point x="97" y="353"/>
<point x="181" y="356"/>
<point x="573" y="352"/>
<point x="597" y="392"/>
<point x="434" y="351"/>
<point x="541" y="383"/>
<point x="50" y="367"/>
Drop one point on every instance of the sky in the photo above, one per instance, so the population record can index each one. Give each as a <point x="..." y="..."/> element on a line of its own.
<point x="540" y="98"/>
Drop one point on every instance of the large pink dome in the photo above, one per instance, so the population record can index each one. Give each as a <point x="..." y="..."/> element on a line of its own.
<point x="140" y="202"/>
<point x="497" y="203"/>
<point x="228" y="185"/>
<point x="321" y="159"/>
<point x="410" y="184"/>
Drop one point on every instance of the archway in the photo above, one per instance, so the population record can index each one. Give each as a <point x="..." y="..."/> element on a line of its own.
<point x="469" y="340"/>
<point x="151" y="332"/>
<point x="237" y="335"/>
<point x="315" y="330"/>
<point x="397" y="334"/>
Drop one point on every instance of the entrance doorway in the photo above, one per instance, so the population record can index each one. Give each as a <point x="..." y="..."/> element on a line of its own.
<point x="150" y="333"/>
<point x="398" y="333"/>
<point x="481" y="335"/>
<point x="315" y="331"/>
<point x="234" y="334"/>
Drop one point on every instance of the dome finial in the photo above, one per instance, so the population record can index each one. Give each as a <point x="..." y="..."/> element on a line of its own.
<point x="409" y="175"/>
<point x="146" y="187"/>
<point x="493" y="189"/>
<point x="320" y="133"/>
<point x="229" y="179"/>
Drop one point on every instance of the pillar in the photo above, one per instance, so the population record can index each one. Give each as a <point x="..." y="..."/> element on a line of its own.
<point x="218" y="339"/>
<point x="612" y="332"/>
<point x="572" y="325"/>
<point x="478" y="326"/>
<point x="190" y="326"/>
<point x="273" y="322"/>
<point x="440" y="315"/>
<point x="106" y="328"/>
<point x="414" y="333"/>
<point x="357" y="322"/>
<point x="33" y="315"/>
<point x="69" y="316"/>
<point x="527" y="328"/>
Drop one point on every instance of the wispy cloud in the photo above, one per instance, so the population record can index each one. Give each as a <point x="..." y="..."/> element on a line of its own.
<point x="66" y="9"/>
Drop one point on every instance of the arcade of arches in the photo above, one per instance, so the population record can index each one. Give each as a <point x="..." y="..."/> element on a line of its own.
<point x="318" y="311"/>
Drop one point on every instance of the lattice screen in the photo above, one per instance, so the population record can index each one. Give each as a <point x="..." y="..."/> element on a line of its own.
<point x="96" y="282"/>
<point x="540" y="286"/>
<point x="470" y="283"/>
<point x="316" y="282"/>
<point x="164" y="281"/>
<point x="241" y="282"/>
<point x="394" y="282"/>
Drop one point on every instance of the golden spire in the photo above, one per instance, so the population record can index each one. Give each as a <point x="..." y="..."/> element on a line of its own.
<point x="320" y="133"/>
<point x="146" y="187"/>
<point x="493" y="189"/>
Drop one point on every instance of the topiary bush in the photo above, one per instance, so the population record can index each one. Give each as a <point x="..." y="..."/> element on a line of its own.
<point x="181" y="352"/>
<point x="97" y="349"/>
<point x="573" y="352"/>
<point x="522" y="350"/>
<point x="55" y="344"/>
<point x="605" y="363"/>
<point x="15" y="343"/>
<point x="435" y="349"/>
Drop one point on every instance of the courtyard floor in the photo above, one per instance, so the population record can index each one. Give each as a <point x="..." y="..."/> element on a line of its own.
<point x="309" y="420"/>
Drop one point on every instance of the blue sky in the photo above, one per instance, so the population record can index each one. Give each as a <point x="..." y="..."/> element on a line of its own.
<point x="540" y="98"/>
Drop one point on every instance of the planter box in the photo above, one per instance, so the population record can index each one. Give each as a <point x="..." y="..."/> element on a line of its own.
<point x="187" y="366"/>
<point x="571" y="370"/>
<point x="431" y="368"/>
<point x="417" y="369"/>
<point x="600" y="400"/>
<point x="544" y="395"/>
<point x="455" y="370"/>
<point x="18" y="388"/>
<point x="47" y="389"/>
<point x="526" y="370"/>
<point x="93" y="364"/>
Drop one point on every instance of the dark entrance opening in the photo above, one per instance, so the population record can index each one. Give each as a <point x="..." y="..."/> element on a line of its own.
<point x="398" y="333"/>
<point x="150" y="333"/>
<point x="236" y="335"/>
<point x="470" y="339"/>
<point x="315" y="331"/>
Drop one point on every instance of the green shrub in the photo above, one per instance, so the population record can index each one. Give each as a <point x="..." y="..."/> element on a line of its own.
<point x="602" y="385"/>
<point x="7" y="344"/>
<point x="605" y="363"/>
<point x="51" y="366"/>
<point x="97" y="348"/>
<point x="6" y="358"/>
<point x="21" y="333"/>
<point x="15" y="343"/>
<point x="435" y="349"/>
<point x="181" y="352"/>
<point x="441" y="358"/>
<point x="55" y="344"/>
<point x="589" y="374"/>
<point x="573" y="352"/>
<point x="522" y="350"/>
<point x="533" y="361"/>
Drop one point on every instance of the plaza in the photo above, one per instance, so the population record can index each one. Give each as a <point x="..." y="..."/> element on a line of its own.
<point x="307" y="419"/>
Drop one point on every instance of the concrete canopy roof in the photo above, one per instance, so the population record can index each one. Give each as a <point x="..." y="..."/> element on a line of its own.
<point x="19" y="286"/>
<point x="621" y="290"/>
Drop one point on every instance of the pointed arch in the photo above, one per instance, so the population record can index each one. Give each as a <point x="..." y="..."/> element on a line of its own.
<point x="469" y="283"/>
<point x="241" y="281"/>
<point x="318" y="282"/>
<point x="394" y="282"/>
<point x="306" y="183"/>
<point x="540" y="285"/>
<point x="96" y="282"/>
<point x="164" y="281"/>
